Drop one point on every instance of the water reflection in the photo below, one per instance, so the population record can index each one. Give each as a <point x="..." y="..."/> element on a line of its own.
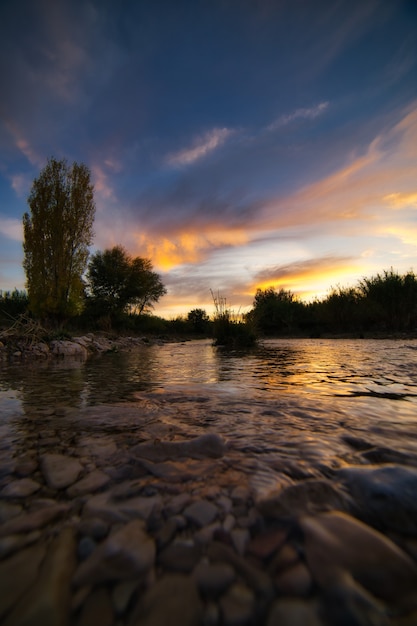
<point x="374" y="370"/>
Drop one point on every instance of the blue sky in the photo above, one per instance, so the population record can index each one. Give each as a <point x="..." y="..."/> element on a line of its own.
<point x="237" y="144"/>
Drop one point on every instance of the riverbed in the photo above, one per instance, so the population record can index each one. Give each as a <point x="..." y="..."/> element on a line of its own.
<point x="228" y="460"/>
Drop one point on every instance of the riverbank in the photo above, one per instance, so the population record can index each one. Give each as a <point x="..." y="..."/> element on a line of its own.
<point x="119" y="515"/>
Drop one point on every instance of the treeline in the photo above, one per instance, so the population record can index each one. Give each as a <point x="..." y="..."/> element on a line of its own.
<point x="385" y="303"/>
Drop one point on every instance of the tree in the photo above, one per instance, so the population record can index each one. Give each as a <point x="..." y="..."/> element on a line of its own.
<point x="198" y="320"/>
<point x="119" y="283"/>
<point x="57" y="234"/>
<point x="275" y="311"/>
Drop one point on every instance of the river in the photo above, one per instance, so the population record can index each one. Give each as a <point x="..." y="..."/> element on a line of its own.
<point x="297" y="395"/>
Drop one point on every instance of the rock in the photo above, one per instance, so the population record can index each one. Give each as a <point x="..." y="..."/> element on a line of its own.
<point x="47" y="602"/>
<point x="126" y="553"/>
<point x="122" y="595"/>
<point x="94" y="527"/>
<point x="20" y="488"/>
<point x="267" y="543"/>
<point x="201" y="512"/>
<point x="213" y="578"/>
<point x="237" y="605"/>
<point x="97" y="610"/>
<point x="294" y="612"/>
<point x="384" y="497"/>
<point x="173" y="600"/>
<point x="335" y="542"/>
<point x="294" y="581"/>
<point x="92" y="482"/>
<point x="17" y="574"/>
<point x="31" y="521"/>
<point x="255" y="577"/>
<point x="176" y="504"/>
<point x="180" y="556"/>
<point x="26" y="466"/>
<point x="59" y="470"/>
<point x="8" y="511"/>
<point x="101" y="448"/>
<point x="307" y="496"/>
<point x="68" y="348"/>
<point x="86" y="547"/>
<point x="240" y="539"/>
<point x="209" y="445"/>
<point x="12" y="543"/>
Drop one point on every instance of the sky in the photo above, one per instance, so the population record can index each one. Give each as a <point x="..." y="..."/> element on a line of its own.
<point x="237" y="144"/>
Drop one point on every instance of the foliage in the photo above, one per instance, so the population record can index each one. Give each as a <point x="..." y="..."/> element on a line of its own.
<point x="230" y="329"/>
<point x="120" y="284"/>
<point x="57" y="233"/>
<point x="13" y="303"/>
<point x="199" y="321"/>
<point x="275" y="312"/>
<point x="384" y="303"/>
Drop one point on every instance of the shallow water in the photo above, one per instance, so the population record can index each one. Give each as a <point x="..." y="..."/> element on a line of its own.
<point x="299" y="397"/>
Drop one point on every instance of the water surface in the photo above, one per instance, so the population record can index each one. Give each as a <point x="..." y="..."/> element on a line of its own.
<point x="301" y="395"/>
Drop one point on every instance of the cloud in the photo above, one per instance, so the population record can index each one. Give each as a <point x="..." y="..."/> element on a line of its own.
<point x="202" y="146"/>
<point x="304" y="113"/>
<point x="11" y="228"/>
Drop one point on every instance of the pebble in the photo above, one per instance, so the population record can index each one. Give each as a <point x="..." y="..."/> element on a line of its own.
<point x="213" y="578"/>
<point x="21" y="488"/>
<point x="201" y="512"/>
<point x="89" y="484"/>
<point x="59" y="470"/>
<point x="294" y="612"/>
<point x="237" y="605"/>
<point x="126" y="553"/>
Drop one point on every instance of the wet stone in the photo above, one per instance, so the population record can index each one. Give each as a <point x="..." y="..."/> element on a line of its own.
<point x="293" y="612"/>
<point x="173" y="600"/>
<point x="59" y="470"/>
<point x="17" y="574"/>
<point x="294" y="581"/>
<point x="180" y="556"/>
<point x="92" y="482"/>
<point x="20" y="488"/>
<point x="214" y="578"/>
<point x="27" y="522"/>
<point x="8" y="511"/>
<point x="94" y="527"/>
<point x="237" y="605"/>
<point x="12" y="543"/>
<point x="201" y="512"/>
<point x="126" y="553"/>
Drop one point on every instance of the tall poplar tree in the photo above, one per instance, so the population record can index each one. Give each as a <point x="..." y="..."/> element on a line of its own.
<point x="57" y="233"/>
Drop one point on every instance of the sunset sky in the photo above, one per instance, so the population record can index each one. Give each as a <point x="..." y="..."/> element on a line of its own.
<point x="238" y="144"/>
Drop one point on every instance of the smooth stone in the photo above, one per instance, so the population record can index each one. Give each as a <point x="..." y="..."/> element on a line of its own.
<point x="31" y="521"/>
<point x="384" y="496"/>
<point x="346" y="602"/>
<point x="102" y="448"/>
<point x="92" y="482"/>
<point x="210" y="445"/>
<point x="336" y="541"/>
<point x="294" y="581"/>
<point x="122" y="594"/>
<point x="86" y="547"/>
<point x="240" y="539"/>
<point x="213" y="578"/>
<point x="47" y="602"/>
<point x="169" y="471"/>
<point x="284" y="558"/>
<point x="256" y="578"/>
<point x="94" y="527"/>
<point x="201" y="512"/>
<point x="18" y="573"/>
<point x="293" y="612"/>
<point x="126" y="553"/>
<point x="237" y="605"/>
<point x="60" y="471"/>
<point x="267" y="543"/>
<point x="179" y="556"/>
<point x="173" y="600"/>
<point x="8" y="511"/>
<point x="97" y="610"/>
<point x="26" y="466"/>
<point x="176" y="504"/>
<point x="103" y="505"/>
<point x="12" y="543"/>
<point x="21" y="488"/>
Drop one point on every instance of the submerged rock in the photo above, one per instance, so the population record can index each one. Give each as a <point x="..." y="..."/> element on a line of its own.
<point x="127" y="553"/>
<point x="209" y="445"/>
<point x="59" y="470"/>
<point x="384" y="496"/>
